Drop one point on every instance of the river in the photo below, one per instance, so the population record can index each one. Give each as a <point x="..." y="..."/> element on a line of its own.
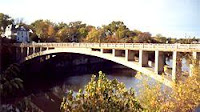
<point x="46" y="83"/>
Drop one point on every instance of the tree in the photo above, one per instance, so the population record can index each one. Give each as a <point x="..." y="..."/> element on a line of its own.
<point x="73" y="32"/>
<point x="10" y="81"/>
<point x="172" y="40"/>
<point x="44" y="29"/>
<point x="5" y="20"/>
<point x="144" y="37"/>
<point x="160" y="39"/>
<point x="118" y="29"/>
<point x="183" y="97"/>
<point x="101" y="95"/>
<point x="65" y="35"/>
<point x="93" y="36"/>
<point x="60" y="26"/>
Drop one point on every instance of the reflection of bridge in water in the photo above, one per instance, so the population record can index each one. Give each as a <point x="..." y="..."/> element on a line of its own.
<point x="122" y="53"/>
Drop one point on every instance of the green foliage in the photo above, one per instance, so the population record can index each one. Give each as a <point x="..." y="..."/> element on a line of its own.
<point x="186" y="40"/>
<point x="160" y="39"/>
<point x="73" y="32"/>
<point x="115" y="32"/>
<point x="93" y="36"/>
<point x="10" y="81"/>
<point x="101" y="95"/>
<point x="44" y="29"/>
<point x="4" y="21"/>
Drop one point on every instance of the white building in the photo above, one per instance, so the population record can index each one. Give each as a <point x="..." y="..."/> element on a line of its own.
<point x="18" y="33"/>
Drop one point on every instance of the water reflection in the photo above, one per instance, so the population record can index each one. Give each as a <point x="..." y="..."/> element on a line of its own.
<point x="127" y="76"/>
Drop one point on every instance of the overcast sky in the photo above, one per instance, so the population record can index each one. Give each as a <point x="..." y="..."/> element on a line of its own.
<point x="171" y="18"/>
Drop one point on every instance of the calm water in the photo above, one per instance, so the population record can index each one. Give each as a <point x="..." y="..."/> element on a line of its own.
<point x="125" y="75"/>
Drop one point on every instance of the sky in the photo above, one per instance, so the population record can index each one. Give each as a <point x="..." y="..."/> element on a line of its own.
<point x="171" y="18"/>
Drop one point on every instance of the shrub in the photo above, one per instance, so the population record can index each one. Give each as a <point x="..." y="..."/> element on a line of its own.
<point x="184" y="97"/>
<point x="101" y="95"/>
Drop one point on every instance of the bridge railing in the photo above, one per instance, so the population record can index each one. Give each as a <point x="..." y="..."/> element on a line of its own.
<point x="113" y="45"/>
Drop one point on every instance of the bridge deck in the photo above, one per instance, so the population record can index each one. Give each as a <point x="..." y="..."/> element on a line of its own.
<point x="131" y="46"/>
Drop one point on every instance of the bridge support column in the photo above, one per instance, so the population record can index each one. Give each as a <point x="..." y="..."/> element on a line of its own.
<point x="30" y="50"/>
<point x="174" y="66"/>
<point x="129" y="55"/>
<point x="33" y="49"/>
<point x="143" y="58"/>
<point x="27" y="51"/>
<point x="195" y="63"/>
<point x="159" y="62"/>
<point x="113" y="52"/>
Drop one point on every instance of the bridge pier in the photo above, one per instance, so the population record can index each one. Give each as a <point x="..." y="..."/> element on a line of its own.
<point x="129" y="55"/>
<point x="33" y="49"/>
<point x="195" y="60"/>
<point x="143" y="58"/>
<point x="159" y="62"/>
<point x="40" y="49"/>
<point x="27" y="51"/>
<point x="174" y="66"/>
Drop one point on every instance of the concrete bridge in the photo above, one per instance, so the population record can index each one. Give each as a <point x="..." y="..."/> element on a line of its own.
<point x="122" y="53"/>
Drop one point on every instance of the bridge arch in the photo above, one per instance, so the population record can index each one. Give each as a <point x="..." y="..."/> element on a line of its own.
<point x="108" y="56"/>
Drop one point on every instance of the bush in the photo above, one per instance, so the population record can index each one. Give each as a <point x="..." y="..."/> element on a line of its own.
<point x="184" y="97"/>
<point x="101" y="95"/>
<point x="10" y="82"/>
